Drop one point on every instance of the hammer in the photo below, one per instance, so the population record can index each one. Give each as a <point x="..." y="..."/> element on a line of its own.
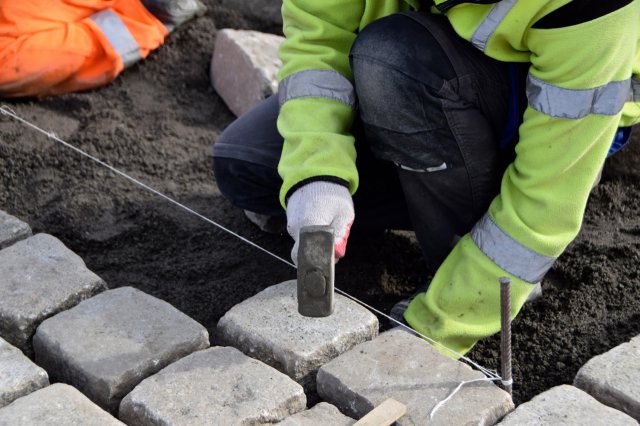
<point x="316" y="271"/>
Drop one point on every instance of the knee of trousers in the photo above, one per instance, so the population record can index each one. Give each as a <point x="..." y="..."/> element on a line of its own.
<point x="226" y="176"/>
<point x="248" y="185"/>
<point x="233" y="178"/>
<point x="398" y="51"/>
<point x="399" y="71"/>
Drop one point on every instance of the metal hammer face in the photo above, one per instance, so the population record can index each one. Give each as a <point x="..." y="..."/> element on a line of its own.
<point x="316" y="271"/>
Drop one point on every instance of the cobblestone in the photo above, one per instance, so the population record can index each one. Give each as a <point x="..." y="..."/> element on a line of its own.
<point x="566" y="405"/>
<point x="18" y="375"/>
<point x="613" y="378"/>
<point x="401" y="366"/>
<point x="12" y="229"/>
<point x="217" y="386"/>
<point x="39" y="277"/>
<point x="268" y="327"/>
<point x="106" y="345"/>
<point x="59" y="405"/>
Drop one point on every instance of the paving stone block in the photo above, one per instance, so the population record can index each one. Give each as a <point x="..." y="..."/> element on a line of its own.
<point x="244" y="67"/>
<point x="12" y="229"/>
<point x="106" y="345"/>
<point x="217" y="386"/>
<point x="567" y="406"/>
<point x="613" y="378"/>
<point x="322" y="413"/>
<point x="268" y="327"/>
<point x="59" y="405"/>
<point x="40" y="277"/>
<point x="401" y="366"/>
<point x="18" y="375"/>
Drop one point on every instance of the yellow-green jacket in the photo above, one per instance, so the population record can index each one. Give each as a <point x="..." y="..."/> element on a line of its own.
<point x="583" y="83"/>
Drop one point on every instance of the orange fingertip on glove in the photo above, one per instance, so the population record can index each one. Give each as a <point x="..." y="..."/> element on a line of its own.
<point x="340" y="246"/>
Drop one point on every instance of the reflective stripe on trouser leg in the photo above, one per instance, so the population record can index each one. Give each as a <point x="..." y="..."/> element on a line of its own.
<point x="509" y="254"/>
<point x="118" y="35"/>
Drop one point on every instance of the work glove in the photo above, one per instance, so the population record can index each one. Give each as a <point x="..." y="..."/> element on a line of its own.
<point x="321" y="203"/>
<point x="173" y="13"/>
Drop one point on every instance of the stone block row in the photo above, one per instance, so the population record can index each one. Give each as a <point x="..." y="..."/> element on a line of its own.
<point x="351" y="367"/>
<point x="108" y="344"/>
<point x="137" y="357"/>
<point x="358" y="376"/>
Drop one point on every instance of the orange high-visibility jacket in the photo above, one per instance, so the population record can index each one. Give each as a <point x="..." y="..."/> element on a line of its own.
<point x="50" y="47"/>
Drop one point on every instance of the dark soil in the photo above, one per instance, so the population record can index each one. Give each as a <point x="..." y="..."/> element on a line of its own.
<point x="158" y="122"/>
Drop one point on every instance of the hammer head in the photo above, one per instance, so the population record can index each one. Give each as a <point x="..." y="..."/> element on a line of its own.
<point x="316" y="271"/>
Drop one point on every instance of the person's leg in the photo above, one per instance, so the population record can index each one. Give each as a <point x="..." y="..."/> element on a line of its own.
<point x="434" y="106"/>
<point x="54" y="47"/>
<point x="246" y="158"/>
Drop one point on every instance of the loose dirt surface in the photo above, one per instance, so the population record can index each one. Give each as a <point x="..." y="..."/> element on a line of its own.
<point x="158" y="122"/>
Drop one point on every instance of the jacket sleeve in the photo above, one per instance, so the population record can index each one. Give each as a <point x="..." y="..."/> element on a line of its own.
<point x="579" y="79"/>
<point x="317" y="98"/>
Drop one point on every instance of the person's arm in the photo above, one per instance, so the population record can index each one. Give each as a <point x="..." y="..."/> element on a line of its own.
<point x="317" y="102"/>
<point x="316" y="94"/>
<point x="579" y="79"/>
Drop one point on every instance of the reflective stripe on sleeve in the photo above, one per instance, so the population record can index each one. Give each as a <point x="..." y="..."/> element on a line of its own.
<point x="509" y="254"/>
<point x="571" y="103"/>
<point x="488" y="26"/>
<point x="118" y="35"/>
<point x="327" y="84"/>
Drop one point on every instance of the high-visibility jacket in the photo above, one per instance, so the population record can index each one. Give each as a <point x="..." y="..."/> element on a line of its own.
<point x="55" y="46"/>
<point x="583" y="83"/>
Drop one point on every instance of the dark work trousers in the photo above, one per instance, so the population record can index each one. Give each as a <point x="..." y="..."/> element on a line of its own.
<point x="431" y="109"/>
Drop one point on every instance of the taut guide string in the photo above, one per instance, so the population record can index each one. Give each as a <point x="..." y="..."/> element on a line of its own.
<point x="491" y="375"/>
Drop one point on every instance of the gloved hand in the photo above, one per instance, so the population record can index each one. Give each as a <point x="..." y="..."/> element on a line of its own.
<point x="174" y="13"/>
<point x="321" y="203"/>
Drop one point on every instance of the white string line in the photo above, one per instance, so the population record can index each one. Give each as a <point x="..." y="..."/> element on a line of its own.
<point x="7" y="111"/>
<point x="492" y="375"/>
<point x="453" y="392"/>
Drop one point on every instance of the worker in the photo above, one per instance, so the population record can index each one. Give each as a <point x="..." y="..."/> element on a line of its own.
<point x="481" y="125"/>
<point x="49" y="47"/>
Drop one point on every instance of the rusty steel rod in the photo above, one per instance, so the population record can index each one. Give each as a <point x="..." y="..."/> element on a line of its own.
<point x="505" y="335"/>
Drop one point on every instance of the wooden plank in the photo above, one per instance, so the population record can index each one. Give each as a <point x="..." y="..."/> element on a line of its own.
<point x="384" y="414"/>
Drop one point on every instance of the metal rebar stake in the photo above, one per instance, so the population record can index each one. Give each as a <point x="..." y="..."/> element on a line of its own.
<point x="505" y="335"/>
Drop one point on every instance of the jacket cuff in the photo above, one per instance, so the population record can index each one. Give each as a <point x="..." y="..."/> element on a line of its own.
<point x="327" y="178"/>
